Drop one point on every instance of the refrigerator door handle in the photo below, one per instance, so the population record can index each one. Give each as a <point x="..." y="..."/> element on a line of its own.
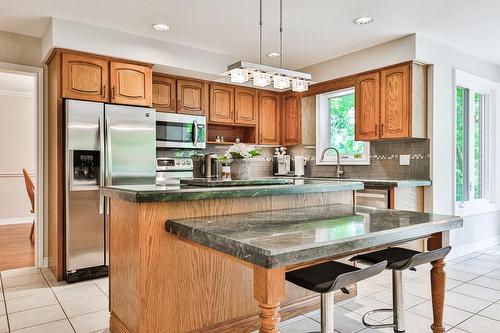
<point x="108" y="162"/>
<point x="195" y="133"/>
<point x="102" y="164"/>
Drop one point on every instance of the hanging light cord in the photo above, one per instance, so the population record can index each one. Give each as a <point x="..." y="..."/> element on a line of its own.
<point x="260" y="33"/>
<point x="281" y="33"/>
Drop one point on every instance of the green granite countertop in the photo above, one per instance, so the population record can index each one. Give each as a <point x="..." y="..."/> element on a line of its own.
<point x="381" y="183"/>
<point x="290" y="236"/>
<point x="157" y="193"/>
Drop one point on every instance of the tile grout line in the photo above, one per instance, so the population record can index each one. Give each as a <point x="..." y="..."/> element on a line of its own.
<point x="5" y="303"/>
<point x="58" y="301"/>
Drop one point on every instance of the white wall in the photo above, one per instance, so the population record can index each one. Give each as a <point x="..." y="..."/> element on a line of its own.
<point x="20" y="49"/>
<point x="17" y="151"/>
<point x="481" y="230"/>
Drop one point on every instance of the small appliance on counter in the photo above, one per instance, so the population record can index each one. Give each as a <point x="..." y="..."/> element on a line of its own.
<point x="170" y="170"/>
<point x="298" y="163"/>
<point x="281" y="165"/>
<point x="210" y="166"/>
<point x="281" y="162"/>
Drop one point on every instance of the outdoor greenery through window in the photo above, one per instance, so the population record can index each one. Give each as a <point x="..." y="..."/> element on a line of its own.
<point x="470" y="144"/>
<point x="336" y="116"/>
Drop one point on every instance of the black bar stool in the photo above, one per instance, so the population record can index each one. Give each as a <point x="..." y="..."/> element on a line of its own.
<point x="327" y="277"/>
<point x="398" y="260"/>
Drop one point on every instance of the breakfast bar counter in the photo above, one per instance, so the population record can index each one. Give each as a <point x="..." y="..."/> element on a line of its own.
<point x="194" y="259"/>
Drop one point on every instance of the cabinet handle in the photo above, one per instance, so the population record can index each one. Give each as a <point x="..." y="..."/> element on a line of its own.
<point x="381" y="129"/>
<point x="261" y="137"/>
<point x="104" y="91"/>
<point x="113" y="92"/>
<point x="376" y="129"/>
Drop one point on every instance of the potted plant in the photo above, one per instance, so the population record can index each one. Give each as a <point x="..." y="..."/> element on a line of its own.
<point x="239" y="156"/>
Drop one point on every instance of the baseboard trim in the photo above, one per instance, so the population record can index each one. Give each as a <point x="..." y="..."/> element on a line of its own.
<point x="17" y="220"/>
<point x="473" y="247"/>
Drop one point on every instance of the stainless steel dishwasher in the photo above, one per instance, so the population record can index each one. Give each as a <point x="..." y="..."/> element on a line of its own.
<point x="373" y="198"/>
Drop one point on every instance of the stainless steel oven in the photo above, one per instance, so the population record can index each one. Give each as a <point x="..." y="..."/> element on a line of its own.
<point x="180" y="131"/>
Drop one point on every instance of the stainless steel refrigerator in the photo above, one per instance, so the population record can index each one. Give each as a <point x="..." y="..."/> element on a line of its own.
<point x="105" y="145"/>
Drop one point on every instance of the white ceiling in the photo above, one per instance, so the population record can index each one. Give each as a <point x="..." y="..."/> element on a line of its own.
<point x="314" y="30"/>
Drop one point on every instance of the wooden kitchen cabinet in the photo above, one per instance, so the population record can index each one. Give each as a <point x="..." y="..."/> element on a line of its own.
<point x="290" y="119"/>
<point x="269" y="118"/>
<point x="367" y="115"/>
<point x="130" y="84"/>
<point x="391" y="103"/>
<point x="85" y="77"/>
<point x="221" y="104"/>
<point x="191" y="97"/>
<point x="395" y="102"/>
<point x="164" y="96"/>
<point x="245" y="106"/>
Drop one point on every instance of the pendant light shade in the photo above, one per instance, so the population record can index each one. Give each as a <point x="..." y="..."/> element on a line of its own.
<point x="299" y="85"/>
<point x="281" y="82"/>
<point x="261" y="79"/>
<point x="238" y="75"/>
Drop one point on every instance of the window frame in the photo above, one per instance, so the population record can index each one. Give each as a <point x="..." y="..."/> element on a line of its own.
<point x="323" y="131"/>
<point x="487" y="88"/>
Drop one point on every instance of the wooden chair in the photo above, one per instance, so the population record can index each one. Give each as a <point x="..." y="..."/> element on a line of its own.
<point x="30" y="189"/>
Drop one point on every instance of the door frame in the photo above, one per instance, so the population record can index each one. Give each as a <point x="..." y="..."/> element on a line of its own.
<point x="37" y="73"/>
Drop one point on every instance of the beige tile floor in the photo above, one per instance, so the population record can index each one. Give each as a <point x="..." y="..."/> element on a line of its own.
<point x="32" y="301"/>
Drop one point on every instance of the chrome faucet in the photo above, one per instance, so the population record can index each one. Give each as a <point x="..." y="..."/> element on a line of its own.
<point x="339" y="172"/>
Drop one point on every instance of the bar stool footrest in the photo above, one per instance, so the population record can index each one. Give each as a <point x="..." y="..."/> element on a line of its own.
<point x="375" y="326"/>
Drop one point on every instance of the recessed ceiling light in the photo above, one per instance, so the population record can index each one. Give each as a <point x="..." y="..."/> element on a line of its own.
<point x="161" y="27"/>
<point x="362" y="20"/>
<point x="273" y="54"/>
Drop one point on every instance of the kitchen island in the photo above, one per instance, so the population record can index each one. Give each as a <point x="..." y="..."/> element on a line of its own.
<point x="188" y="279"/>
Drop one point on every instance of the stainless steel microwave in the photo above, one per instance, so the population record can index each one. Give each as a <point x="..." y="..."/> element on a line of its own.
<point x="180" y="131"/>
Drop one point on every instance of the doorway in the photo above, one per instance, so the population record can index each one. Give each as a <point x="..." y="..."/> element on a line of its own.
<point x="21" y="172"/>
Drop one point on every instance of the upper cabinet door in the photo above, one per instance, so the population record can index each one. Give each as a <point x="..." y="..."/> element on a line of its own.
<point x="367" y="105"/>
<point x="246" y="106"/>
<point x="191" y="97"/>
<point x="164" y="93"/>
<point x="395" y="102"/>
<point x="85" y="77"/>
<point x="131" y="84"/>
<point x="269" y="118"/>
<point x="291" y="119"/>
<point x="221" y="104"/>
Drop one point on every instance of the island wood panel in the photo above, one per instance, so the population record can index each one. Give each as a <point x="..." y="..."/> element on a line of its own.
<point x="395" y="108"/>
<point x="367" y="100"/>
<point x="184" y="288"/>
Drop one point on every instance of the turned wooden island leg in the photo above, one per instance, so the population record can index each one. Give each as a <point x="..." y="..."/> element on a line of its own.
<point x="438" y="286"/>
<point x="438" y="281"/>
<point x="269" y="291"/>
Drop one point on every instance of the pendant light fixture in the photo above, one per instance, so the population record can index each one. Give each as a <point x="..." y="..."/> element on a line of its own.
<point x="263" y="75"/>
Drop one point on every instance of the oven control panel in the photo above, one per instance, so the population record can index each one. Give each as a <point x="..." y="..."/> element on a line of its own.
<point x="174" y="164"/>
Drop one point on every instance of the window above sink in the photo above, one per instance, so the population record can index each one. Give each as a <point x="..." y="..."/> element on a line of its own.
<point x="335" y="114"/>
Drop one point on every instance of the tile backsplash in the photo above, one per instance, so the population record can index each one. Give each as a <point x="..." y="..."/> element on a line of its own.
<point x="384" y="160"/>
